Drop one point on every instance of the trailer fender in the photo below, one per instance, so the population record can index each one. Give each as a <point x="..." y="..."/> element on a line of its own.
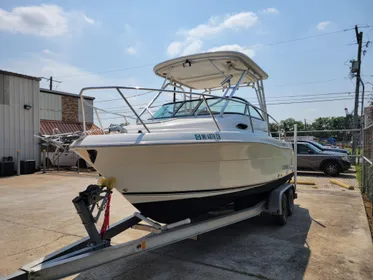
<point x="275" y="197"/>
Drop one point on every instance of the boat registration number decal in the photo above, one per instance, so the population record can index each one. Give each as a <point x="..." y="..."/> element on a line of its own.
<point x="210" y="136"/>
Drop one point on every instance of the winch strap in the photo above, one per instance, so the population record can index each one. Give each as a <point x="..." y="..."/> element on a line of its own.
<point x="105" y="225"/>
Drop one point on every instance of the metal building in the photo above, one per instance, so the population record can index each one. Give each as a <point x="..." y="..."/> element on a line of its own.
<point x="26" y="111"/>
<point x="19" y="116"/>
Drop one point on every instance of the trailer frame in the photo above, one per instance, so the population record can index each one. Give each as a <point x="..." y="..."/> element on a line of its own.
<point x="94" y="250"/>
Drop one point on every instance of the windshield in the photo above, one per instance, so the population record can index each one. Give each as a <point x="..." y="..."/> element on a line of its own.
<point x="318" y="145"/>
<point x="316" y="149"/>
<point x="167" y="110"/>
<point x="198" y="107"/>
<point x="217" y="104"/>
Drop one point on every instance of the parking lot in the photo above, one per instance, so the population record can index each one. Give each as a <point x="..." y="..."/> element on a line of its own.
<point x="326" y="238"/>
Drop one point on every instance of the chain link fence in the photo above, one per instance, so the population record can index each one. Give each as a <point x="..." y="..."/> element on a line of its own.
<point x="367" y="165"/>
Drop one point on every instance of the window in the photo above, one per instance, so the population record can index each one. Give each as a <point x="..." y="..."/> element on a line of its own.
<point x="217" y="104"/>
<point x="167" y="110"/>
<point x="188" y="108"/>
<point x="303" y="149"/>
<point x="255" y="113"/>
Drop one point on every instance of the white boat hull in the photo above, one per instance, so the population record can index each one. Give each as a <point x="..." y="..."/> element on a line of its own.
<point x="148" y="174"/>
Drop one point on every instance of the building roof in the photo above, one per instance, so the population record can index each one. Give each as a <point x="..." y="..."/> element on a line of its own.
<point x="64" y="93"/>
<point x="19" y="75"/>
<point x="49" y="127"/>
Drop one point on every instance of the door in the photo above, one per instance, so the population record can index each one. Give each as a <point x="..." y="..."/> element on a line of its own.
<point x="304" y="157"/>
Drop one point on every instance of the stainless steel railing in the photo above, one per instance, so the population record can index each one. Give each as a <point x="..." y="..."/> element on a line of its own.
<point x="164" y="90"/>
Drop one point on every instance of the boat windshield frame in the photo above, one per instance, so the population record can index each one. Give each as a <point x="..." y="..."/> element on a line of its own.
<point x="195" y="111"/>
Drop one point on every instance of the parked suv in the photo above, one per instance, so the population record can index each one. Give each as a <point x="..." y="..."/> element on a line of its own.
<point x="312" y="158"/>
<point x="326" y="148"/>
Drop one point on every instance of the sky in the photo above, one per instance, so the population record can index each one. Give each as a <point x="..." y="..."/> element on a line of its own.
<point x="96" y="43"/>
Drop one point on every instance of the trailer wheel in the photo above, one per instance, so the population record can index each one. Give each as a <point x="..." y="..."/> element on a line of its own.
<point x="290" y="201"/>
<point x="283" y="217"/>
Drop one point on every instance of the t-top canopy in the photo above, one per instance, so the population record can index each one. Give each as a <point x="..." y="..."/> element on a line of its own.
<point x="209" y="70"/>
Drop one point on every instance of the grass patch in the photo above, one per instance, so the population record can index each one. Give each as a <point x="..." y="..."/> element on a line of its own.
<point x="358" y="174"/>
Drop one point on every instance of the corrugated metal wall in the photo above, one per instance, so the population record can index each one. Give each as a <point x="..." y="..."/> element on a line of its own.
<point x="50" y="106"/>
<point x="18" y="125"/>
<point x="88" y="111"/>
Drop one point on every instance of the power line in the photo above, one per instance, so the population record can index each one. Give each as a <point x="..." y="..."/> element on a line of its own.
<point x="309" y="37"/>
<point x="268" y="97"/>
<point x="131" y="96"/>
<point x="307" y="83"/>
<point x="310" y="101"/>
<point x="258" y="46"/>
<point x="329" y="93"/>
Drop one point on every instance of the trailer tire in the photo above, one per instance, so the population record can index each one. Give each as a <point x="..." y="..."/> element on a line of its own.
<point x="290" y="196"/>
<point x="283" y="217"/>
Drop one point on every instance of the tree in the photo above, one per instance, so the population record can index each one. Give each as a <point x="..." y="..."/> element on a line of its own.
<point x="288" y="124"/>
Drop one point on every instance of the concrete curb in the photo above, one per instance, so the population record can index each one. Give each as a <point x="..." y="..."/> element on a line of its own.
<point x="341" y="184"/>
<point x="300" y="182"/>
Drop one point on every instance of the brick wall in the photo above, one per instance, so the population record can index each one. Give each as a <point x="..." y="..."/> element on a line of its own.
<point x="368" y="112"/>
<point x="70" y="109"/>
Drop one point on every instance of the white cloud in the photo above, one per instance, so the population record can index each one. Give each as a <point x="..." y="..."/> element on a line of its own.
<point x="131" y="50"/>
<point x="89" y="20"/>
<point x="174" y="48"/>
<point x="44" y="20"/>
<point x="192" y="46"/>
<point x="47" y="51"/>
<point x="128" y="28"/>
<point x="193" y="38"/>
<point x="323" y="25"/>
<point x="234" y="47"/>
<point x="270" y="11"/>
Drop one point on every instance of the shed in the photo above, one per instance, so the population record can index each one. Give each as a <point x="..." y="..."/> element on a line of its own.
<point x="19" y="116"/>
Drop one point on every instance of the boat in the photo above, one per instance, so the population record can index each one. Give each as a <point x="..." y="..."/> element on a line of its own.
<point x="204" y="149"/>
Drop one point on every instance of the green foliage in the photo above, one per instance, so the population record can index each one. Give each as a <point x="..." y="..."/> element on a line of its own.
<point x="322" y="123"/>
<point x="288" y="124"/>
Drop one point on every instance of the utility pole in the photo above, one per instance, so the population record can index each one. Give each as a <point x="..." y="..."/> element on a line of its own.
<point x="359" y="40"/>
<point x="51" y="81"/>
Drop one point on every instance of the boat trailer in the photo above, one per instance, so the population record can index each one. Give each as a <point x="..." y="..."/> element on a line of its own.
<point x="96" y="248"/>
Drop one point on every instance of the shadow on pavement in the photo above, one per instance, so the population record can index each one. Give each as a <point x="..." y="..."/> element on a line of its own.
<point x="323" y="175"/>
<point x="252" y="249"/>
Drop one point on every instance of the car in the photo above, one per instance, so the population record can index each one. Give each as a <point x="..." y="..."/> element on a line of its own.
<point x="310" y="157"/>
<point x="63" y="157"/>
<point x="326" y="148"/>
